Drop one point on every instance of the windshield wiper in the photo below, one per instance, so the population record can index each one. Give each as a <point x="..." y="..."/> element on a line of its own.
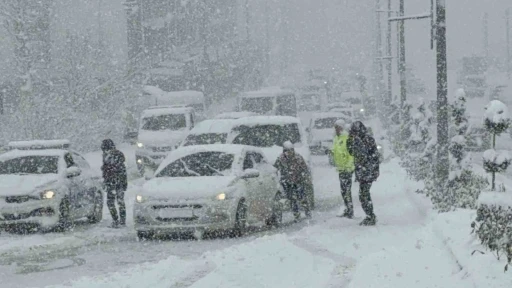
<point x="215" y="170"/>
<point x="192" y="172"/>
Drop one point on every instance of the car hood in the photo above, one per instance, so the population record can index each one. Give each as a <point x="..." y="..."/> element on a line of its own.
<point x="186" y="188"/>
<point x="161" y="138"/>
<point x="319" y="135"/>
<point x="18" y="185"/>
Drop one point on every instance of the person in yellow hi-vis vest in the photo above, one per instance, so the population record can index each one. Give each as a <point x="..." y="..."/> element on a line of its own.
<point x="344" y="163"/>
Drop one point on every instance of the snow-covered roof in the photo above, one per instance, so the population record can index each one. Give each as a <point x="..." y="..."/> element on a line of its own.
<point x="339" y="105"/>
<point x="189" y="150"/>
<point x="22" y="153"/>
<point x="213" y="126"/>
<point x="39" y="144"/>
<point x="186" y="97"/>
<point x="266" y="120"/>
<point x="153" y="90"/>
<point x="267" y="92"/>
<point x="496" y="112"/>
<point x="235" y="115"/>
<point x="165" y="111"/>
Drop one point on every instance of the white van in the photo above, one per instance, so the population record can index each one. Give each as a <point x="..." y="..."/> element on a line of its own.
<point x="189" y="98"/>
<point x="161" y="129"/>
<point x="269" y="101"/>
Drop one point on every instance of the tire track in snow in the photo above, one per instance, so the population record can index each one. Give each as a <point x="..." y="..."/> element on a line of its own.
<point x="195" y="275"/>
<point x="341" y="276"/>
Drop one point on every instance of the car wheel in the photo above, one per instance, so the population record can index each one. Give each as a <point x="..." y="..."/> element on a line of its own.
<point x="97" y="213"/>
<point x="240" y="220"/>
<point x="145" y="235"/>
<point x="140" y="168"/>
<point x="277" y="212"/>
<point x="64" y="216"/>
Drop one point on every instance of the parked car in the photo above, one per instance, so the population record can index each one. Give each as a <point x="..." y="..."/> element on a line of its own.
<point x="45" y="185"/>
<point x="235" y="115"/>
<point x="207" y="188"/>
<point x="321" y="130"/>
<point x="161" y="129"/>
<point x="212" y="131"/>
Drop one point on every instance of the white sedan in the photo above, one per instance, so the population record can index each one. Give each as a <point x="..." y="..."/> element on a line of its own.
<point x="207" y="188"/>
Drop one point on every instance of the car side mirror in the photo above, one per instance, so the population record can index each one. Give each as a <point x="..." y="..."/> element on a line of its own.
<point x="73" y="172"/>
<point x="307" y="129"/>
<point x="250" y="173"/>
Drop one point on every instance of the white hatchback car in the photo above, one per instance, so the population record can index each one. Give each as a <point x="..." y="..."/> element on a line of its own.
<point x="207" y="188"/>
<point x="43" y="184"/>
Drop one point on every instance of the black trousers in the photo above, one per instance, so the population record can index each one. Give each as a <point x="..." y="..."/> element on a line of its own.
<point x="116" y="195"/>
<point x="346" y="190"/>
<point x="296" y="194"/>
<point x="366" y="198"/>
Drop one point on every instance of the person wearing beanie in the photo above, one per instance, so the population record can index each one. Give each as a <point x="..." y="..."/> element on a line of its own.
<point x="344" y="163"/>
<point x="115" y="181"/>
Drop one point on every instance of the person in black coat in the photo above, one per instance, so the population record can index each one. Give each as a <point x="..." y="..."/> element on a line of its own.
<point x="115" y="181"/>
<point x="361" y="145"/>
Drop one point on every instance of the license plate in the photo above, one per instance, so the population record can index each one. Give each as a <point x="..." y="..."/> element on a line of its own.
<point x="175" y="213"/>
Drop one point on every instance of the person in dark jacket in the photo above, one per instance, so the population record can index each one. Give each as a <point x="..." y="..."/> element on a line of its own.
<point x="361" y="145"/>
<point x="294" y="172"/>
<point x="115" y="181"/>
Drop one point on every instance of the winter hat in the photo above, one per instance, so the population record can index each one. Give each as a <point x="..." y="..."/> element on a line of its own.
<point x="358" y="128"/>
<point x="107" y="144"/>
<point x="288" y="145"/>
<point x="340" y="123"/>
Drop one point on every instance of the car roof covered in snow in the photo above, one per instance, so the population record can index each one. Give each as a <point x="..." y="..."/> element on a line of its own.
<point x="166" y="110"/>
<point x="235" y="115"/>
<point x="39" y="144"/>
<point x="213" y="126"/>
<point x="22" y="153"/>
<point x="189" y="150"/>
<point x="186" y="97"/>
<point x="330" y="114"/>
<point x="267" y="92"/>
<point x="266" y="120"/>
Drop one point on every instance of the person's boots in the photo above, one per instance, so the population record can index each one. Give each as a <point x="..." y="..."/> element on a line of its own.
<point x="369" y="221"/>
<point x="348" y="213"/>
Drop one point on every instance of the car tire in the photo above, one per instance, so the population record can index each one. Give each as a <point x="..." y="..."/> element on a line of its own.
<point x="240" y="220"/>
<point x="64" y="223"/>
<point x="277" y="212"/>
<point x="97" y="213"/>
<point x="141" y="169"/>
<point x="145" y="235"/>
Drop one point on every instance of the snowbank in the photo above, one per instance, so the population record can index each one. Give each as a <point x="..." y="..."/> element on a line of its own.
<point x="266" y="262"/>
<point x="497" y="157"/>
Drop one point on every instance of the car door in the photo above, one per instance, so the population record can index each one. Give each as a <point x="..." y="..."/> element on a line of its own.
<point x="254" y="187"/>
<point x="87" y="184"/>
<point x="75" y="188"/>
<point x="268" y="177"/>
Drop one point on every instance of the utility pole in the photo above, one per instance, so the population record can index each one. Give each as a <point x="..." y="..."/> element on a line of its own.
<point x="401" y="68"/>
<point x="378" y="80"/>
<point x="247" y="15"/>
<point x="507" y="27"/>
<point x="443" y="164"/>
<point x="485" y="26"/>
<point x="267" y="37"/>
<point x="389" y="65"/>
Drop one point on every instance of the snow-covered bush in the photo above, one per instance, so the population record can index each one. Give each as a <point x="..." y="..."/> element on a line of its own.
<point x="464" y="186"/>
<point x="493" y="224"/>
<point x="496" y="121"/>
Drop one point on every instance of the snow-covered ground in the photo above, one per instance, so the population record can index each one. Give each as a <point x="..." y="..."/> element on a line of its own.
<point x="403" y="250"/>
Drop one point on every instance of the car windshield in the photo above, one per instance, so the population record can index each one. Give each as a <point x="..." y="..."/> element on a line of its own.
<point x="261" y="105"/>
<point x="200" y="164"/>
<point x="326" y="123"/>
<point x="267" y="135"/>
<point x="205" y="139"/>
<point x="164" y="122"/>
<point x="286" y="105"/>
<point x="30" y="165"/>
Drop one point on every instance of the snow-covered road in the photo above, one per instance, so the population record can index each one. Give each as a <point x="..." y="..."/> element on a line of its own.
<point x="325" y="252"/>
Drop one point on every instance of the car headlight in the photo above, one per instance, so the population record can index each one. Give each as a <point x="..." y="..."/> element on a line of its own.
<point x="221" y="196"/>
<point x="362" y="110"/>
<point x="139" y="199"/>
<point x="379" y="147"/>
<point x="140" y="145"/>
<point x="49" y="194"/>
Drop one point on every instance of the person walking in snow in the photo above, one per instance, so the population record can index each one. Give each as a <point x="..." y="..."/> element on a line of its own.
<point x="361" y="145"/>
<point x="294" y="172"/>
<point x="115" y="181"/>
<point x="344" y="163"/>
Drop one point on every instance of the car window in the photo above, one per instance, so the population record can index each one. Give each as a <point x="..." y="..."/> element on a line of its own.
<point x="164" y="122"/>
<point x="70" y="162"/>
<point x="248" y="161"/>
<point x="258" y="158"/>
<point x="200" y="164"/>
<point x="267" y="135"/>
<point x="205" y="139"/>
<point x="30" y="165"/>
<point x="80" y="161"/>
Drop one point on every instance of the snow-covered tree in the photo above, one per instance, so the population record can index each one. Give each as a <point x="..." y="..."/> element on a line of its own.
<point x="496" y="121"/>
